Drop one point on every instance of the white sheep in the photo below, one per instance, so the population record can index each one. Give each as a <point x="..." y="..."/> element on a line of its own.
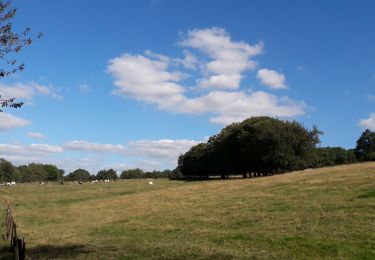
<point x="151" y="183"/>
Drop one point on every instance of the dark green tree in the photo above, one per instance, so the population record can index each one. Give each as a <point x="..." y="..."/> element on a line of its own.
<point x="8" y="172"/>
<point x="365" y="149"/>
<point x="53" y="173"/>
<point x="79" y="175"/>
<point x="132" y="174"/>
<point x="107" y="175"/>
<point x="258" y="145"/>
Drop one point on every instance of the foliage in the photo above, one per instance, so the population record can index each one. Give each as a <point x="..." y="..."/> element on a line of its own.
<point x="107" y="175"/>
<point x="8" y="172"/>
<point x="29" y="173"/>
<point x="140" y="174"/>
<point x="330" y="156"/>
<point x="132" y="174"/>
<point x="53" y="173"/>
<point x="365" y="149"/>
<point x="11" y="43"/>
<point x="259" y="144"/>
<point x="78" y="175"/>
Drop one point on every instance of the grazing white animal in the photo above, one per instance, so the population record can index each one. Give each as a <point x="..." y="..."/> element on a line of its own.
<point x="12" y="183"/>
<point x="151" y="183"/>
<point x="42" y="184"/>
<point x="94" y="182"/>
<point x="106" y="181"/>
<point x="8" y="183"/>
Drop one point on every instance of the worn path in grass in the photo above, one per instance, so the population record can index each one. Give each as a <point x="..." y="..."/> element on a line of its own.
<point x="314" y="214"/>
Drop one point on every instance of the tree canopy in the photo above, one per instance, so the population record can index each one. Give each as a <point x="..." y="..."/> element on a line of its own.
<point x="365" y="149"/>
<point x="260" y="144"/>
<point x="11" y="43"/>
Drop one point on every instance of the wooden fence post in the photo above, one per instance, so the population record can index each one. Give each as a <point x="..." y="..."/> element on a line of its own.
<point x="17" y="246"/>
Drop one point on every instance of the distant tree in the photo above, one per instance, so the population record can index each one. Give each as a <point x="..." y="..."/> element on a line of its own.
<point x="107" y="175"/>
<point x="258" y="145"/>
<point x="175" y="174"/>
<point x="330" y="156"/>
<point x="33" y="172"/>
<point x="157" y="174"/>
<point x="53" y="173"/>
<point x="132" y="174"/>
<point x="365" y="149"/>
<point x="78" y="175"/>
<point x="8" y="172"/>
<point x="11" y="43"/>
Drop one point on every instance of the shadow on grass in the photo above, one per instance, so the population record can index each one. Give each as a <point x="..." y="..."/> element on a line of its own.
<point x="368" y="194"/>
<point x="51" y="251"/>
<point x="5" y="253"/>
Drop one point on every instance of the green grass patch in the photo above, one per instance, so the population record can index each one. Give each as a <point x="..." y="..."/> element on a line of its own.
<point x="368" y="194"/>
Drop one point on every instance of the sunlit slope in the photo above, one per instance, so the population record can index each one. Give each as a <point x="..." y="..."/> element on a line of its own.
<point x="322" y="213"/>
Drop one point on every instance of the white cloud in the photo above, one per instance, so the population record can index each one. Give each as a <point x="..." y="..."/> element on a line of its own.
<point x="8" y="121"/>
<point x="27" y="91"/>
<point x="368" y="123"/>
<point x="44" y="148"/>
<point x="229" y="59"/>
<point x="231" y="107"/>
<point x="165" y="148"/>
<point x="20" y="153"/>
<point x="94" y="147"/>
<point x="145" y="79"/>
<point x="149" y="79"/>
<point x="35" y="135"/>
<point x="190" y="61"/>
<point x="272" y="79"/>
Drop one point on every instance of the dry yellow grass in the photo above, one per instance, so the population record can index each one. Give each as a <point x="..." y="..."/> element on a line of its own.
<point x="321" y="213"/>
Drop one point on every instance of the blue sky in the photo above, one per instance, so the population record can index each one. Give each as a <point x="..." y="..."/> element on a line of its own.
<point x="128" y="84"/>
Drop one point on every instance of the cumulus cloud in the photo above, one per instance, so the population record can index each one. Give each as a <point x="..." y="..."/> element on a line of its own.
<point x="150" y="78"/>
<point x="146" y="79"/>
<point x="229" y="59"/>
<point x="27" y="91"/>
<point x="368" y="123"/>
<point x="145" y="154"/>
<point x="190" y="61"/>
<point x="272" y="79"/>
<point x="94" y="147"/>
<point x="28" y="153"/>
<point x="35" y="135"/>
<point x="165" y="148"/>
<point x="232" y="107"/>
<point x="164" y="151"/>
<point x="8" y="121"/>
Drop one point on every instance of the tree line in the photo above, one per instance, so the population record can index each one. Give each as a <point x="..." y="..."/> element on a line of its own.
<point x="36" y="172"/>
<point x="257" y="146"/>
<point x="264" y="146"/>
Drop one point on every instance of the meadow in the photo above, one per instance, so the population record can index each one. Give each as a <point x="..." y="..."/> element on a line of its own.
<point x="313" y="214"/>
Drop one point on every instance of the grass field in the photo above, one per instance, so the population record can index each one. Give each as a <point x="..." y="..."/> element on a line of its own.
<point x="312" y="214"/>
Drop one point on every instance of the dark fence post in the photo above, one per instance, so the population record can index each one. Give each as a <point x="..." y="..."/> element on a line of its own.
<point x="17" y="246"/>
